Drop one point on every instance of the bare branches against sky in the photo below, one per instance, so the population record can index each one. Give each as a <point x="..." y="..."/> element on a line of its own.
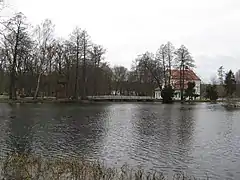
<point x="210" y="29"/>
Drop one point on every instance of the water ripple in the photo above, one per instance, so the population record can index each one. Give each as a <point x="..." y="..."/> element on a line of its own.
<point x="200" y="140"/>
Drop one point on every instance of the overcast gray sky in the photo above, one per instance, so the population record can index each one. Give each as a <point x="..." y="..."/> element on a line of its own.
<point x="210" y="29"/>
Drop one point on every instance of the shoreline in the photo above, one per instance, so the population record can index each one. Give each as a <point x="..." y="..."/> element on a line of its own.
<point x="88" y="101"/>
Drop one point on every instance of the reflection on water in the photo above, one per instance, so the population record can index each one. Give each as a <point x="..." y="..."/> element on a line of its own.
<point x="198" y="139"/>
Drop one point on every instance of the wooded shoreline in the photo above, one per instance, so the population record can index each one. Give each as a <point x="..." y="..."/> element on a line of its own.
<point x="69" y="101"/>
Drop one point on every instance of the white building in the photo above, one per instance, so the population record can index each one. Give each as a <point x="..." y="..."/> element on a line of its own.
<point x="189" y="76"/>
<point x="117" y="93"/>
<point x="157" y="94"/>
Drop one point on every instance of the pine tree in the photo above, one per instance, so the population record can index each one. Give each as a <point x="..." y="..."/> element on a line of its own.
<point x="230" y="84"/>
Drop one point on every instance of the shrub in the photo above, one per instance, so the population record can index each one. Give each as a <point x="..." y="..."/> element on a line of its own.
<point x="167" y="94"/>
<point x="211" y="92"/>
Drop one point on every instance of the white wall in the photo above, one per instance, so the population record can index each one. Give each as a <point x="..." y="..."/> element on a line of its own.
<point x="198" y="87"/>
<point x="178" y="96"/>
<point x="115" y="93"/>
<point x="197" y="91"/>
<point x="158" y="94"/>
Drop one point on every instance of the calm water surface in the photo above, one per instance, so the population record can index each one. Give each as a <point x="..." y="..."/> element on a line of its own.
<point x="203" y="138"/>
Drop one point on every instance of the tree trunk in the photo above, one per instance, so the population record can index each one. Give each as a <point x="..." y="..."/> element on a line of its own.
<point x="50" y="78"/>
<point x="12" y="92"/>
<point x="67" y="84"/>
<point x="84" y="70"/>
<point x="77" y="66"/>
<point x="183" y="81"/>
<point x="164" y="71"/>
<point x="95" y="79"/>
<point x="170" y="71"/>
<point x="37" y="88"/>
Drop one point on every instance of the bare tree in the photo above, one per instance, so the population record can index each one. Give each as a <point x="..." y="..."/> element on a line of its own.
<point x="183" y="60"/>
<point x="76" y="39"/>
<point x="119" y="76"/>
<point x="47" y="66"/>
<point x="170" y="56"/>
<point x="161" y="56"/>
<point x="97" y="53"/>
<point x="68" y="57"/>
<point x="154" y="67"/>
<point x="15" y="35"/>
<point x="59" y="50"/>
<point x="37" y="63"/>
<point x="44" y="38"/>
<point x="106" y="78"/>
<point x="86" y="44"/>
<point x="44" y="61"/>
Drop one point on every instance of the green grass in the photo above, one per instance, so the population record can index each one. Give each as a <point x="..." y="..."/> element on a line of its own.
<point x="23" y="167"/>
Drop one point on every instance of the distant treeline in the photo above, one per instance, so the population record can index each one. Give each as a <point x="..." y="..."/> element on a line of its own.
<point x="34" y="62"/>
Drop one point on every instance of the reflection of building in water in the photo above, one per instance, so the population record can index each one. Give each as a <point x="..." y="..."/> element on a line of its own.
<point x="186" y="126"/>
<point x="159" y="140"/>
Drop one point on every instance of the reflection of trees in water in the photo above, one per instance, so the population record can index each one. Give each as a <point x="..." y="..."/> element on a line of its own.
<point x="163" y="134"/>
<point x="167" y="113"/>
<point x="55" y="130"/>
<point x="73" y="129"/>
<point x="119" y="134"/>
<point x="153" y="120"/>
<point x="4" y="123"/>
<point x="184" y="131"/>
<point x="87" y="129"/>
<point x="153" y="131"/>
<point x="185" y="126"/>
<point x="20" y="130"/>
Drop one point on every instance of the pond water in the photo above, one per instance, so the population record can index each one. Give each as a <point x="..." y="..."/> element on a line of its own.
<point x="199" y="139"/>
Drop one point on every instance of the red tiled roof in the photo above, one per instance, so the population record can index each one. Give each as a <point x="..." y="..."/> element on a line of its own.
<point x="176" y="85"/>
<point x="188" y="75"/>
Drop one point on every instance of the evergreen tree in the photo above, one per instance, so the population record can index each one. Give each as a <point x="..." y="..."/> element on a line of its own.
<point x="230" y="84"/>
<point x="211" y="92"/>
<point x="221" y="75"/>
<point x="190" y="91"/>
<point x="167" y="94"/>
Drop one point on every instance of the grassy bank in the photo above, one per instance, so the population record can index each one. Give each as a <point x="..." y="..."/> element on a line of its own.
<point x="21" y="167"/>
